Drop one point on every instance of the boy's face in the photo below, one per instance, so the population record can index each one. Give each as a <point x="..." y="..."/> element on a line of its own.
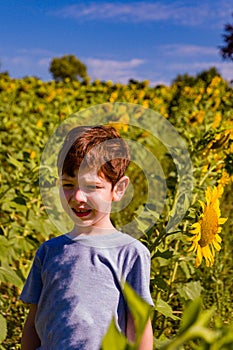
<point x="87" y="198"/>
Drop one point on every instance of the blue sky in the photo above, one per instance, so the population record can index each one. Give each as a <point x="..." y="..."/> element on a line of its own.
<point x="117" y="40"/>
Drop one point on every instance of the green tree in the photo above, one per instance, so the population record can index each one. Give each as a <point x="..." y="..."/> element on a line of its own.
<point x="226" y="51"/>
<point x="67" y="66"/>
<point x="189" y="80"/>
<point x="184" y="79"/>
<point x="208" y="75"/>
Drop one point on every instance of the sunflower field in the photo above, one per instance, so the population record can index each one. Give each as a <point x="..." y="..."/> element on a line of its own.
<point x="192" y="264"/>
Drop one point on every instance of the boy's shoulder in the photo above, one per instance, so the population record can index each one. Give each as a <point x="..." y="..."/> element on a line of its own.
<point x="51" y="243"/>
<point x="54" y="241"/>
<point x="129" y="243"/>
<point x="137" y="247"/>
<point x="136" y="243"/>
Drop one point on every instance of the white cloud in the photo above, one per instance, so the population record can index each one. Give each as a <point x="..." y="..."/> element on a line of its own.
<point x="24" y="61"/>
<point x="98" y="63"/>
<point x="44" y="62"/>
<point x="20" y="61"/>
<point x="189" y="50"/>
<point x="182" y="13"/>
<point x="117" y="71"/>
<point x="27" y="64"/>
<point x="34" y="57"/>
<point x="29" y="58"/>
<point x="226" y="69"/>
<point x="191" y="66"/>
<point x="160" y="82"/>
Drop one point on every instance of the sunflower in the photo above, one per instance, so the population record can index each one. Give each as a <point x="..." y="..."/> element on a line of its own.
<point x="206" y="231"/>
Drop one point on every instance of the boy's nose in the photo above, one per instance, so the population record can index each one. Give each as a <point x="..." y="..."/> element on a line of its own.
<point x="79" y="195"/>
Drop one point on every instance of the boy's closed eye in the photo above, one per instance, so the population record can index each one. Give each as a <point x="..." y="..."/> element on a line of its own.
<point x="84" y="187"/>
<point x="67" y="185"/>
<point x="91" y="187"/>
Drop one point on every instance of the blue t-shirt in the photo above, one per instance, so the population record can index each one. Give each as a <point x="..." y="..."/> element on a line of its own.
<point x="76" y="284"/>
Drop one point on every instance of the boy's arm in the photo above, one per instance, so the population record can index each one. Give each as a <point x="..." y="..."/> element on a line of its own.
<point x="30" y="339"/>
<point x="147" y="337"/>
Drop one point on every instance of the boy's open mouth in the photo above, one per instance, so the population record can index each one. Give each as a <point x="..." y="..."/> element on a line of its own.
<point x="81" y="212"/>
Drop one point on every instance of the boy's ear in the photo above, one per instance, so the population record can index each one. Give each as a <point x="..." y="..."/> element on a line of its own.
<point x="119" y="188"/>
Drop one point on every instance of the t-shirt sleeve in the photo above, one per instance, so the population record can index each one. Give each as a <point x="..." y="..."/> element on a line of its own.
<point x="139" y="275"/>
<point x="33" y="286"/>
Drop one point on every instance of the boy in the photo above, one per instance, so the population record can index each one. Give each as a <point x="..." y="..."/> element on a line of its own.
<point x="74" y="286"/>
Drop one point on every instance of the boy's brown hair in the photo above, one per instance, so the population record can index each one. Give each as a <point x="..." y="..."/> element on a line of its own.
<point x="99" y="147"/>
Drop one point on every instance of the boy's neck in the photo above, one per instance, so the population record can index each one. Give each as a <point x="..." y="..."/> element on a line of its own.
<point x="91" y="231"/>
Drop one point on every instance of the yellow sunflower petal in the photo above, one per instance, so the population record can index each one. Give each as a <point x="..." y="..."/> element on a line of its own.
<point x="202" y="205"/>
<point x="220" y="189"/>
<point x="196" y="230"/>
<point x="193" y="247"/>
<point x="218" y="238"/>
<point x="208" y="255"/>
<point x="222" y="221"/>
<point x="195" y="226"/>
<point x="192" y="239"/>
<point x="212" y="251"/>
<point x="215" y="205"/>
<point x="199" y="256"/>
<point x="208" y="195"/>
<point x="216" y="245"/>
